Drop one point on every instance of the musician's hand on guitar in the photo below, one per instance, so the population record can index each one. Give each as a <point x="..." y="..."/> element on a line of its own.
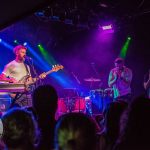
<point x="42" y="76"/>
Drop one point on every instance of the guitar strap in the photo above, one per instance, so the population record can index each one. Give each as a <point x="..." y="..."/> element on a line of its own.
<point x="27" y="69"/>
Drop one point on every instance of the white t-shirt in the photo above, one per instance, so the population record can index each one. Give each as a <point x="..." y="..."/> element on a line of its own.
<point x="16" y="70"/>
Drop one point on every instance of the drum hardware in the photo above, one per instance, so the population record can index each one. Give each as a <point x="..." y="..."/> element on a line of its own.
<point x="100" y="98"/>
<point x="92" y="79"/>
<point x="108" y="92"/>
<point x="93" y="82"/>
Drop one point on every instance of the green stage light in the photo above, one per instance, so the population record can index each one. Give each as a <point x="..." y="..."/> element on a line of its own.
<point x="125" y="47"/>
<point x="15" y="41"/>
<point x="129" y="38"/>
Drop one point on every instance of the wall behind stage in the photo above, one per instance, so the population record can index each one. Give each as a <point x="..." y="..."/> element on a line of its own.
<point x="84" y="52"/>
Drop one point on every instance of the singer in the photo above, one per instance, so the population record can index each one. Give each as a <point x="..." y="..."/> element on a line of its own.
<point x="120" y="79"/>
<point x="17" y="69"/>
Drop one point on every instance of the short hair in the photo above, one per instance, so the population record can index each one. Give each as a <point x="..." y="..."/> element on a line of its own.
<point x="119" y="60"/>
<point x="18" y="47"/>
<point x="19" y="128"/>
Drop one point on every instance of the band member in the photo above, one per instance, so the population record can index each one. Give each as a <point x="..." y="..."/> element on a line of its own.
<point x="16" y="70"/>
<point x="119" y="80"/>
<point x="147" y="84"/>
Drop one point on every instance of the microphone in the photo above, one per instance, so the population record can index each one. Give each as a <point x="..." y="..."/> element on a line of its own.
<point x="28" y="58"/>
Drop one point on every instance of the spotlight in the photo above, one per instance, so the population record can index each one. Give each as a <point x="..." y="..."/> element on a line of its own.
<point x="129" y="38"/>
<point x="0" y="40"/>
<point x="25" y="43"/>
<point x="107" y="27"/>
<point x="15" y="41"/>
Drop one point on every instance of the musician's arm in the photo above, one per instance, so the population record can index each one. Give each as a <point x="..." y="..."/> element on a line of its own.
<point x="112" y="79"/>
<point x="3" y="77"/>
<point x="146" y="82"/>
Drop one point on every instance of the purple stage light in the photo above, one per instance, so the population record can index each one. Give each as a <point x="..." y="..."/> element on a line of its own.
<point x="107" y="27"/>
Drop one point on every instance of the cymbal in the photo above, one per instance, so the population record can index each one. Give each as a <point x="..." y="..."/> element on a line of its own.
<point x="92" y="80"/>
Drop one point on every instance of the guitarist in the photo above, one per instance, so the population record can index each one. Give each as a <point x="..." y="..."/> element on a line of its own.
<point x="16" y="70"/>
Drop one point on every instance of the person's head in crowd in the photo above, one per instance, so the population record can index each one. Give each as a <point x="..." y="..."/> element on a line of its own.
<point x="75" y="131"/>
<point x="19" y="130"/>
<point x="112" y="119"/>
<point x="138" y="119"/>
<point x="137" y="128"/>
<point x="45" y="100"/>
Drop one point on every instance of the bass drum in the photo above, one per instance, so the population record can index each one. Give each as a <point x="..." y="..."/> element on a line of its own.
<point x="66" y="105"/>
<point x="80" y="105"/>
<point x="62" y="108"/>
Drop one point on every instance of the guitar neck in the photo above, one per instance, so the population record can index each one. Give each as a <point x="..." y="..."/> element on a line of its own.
<point x="48" y="72"/>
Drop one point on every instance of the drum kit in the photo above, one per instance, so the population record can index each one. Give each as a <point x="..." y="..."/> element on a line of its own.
<point x="71" y="102"/>
<point x="95" y="102"/>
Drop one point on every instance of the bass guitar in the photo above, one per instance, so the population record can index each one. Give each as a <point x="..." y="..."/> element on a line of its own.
<point x="28" y="80"/>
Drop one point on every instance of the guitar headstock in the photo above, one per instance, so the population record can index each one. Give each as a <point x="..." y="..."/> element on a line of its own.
<point x="56" y="68"/>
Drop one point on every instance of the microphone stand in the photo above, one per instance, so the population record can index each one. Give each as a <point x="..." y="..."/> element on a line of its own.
<point x="93" y="67"/>
<point x="79" y="83"/>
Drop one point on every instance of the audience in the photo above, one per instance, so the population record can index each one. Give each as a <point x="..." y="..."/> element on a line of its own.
<point x="125" y="127"/>
<point x="135" y="135"/>
<point x="111" y="130"/>
<point x="45" y="101"/>
<point x="19" y="130"/>
<point x="75" y="131"/>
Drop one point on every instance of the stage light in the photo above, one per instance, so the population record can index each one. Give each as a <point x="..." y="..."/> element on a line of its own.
<point x="107" y="27"/>
<point x="129" y="38"/>
<point x="25" y="43"/>
<point x="15" y="41"/>
<point x="0" y="40"/>
<point x="125" y="47"/>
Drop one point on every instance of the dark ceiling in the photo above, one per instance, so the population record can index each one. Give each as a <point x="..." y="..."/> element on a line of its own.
<point x="80" y="12"/>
